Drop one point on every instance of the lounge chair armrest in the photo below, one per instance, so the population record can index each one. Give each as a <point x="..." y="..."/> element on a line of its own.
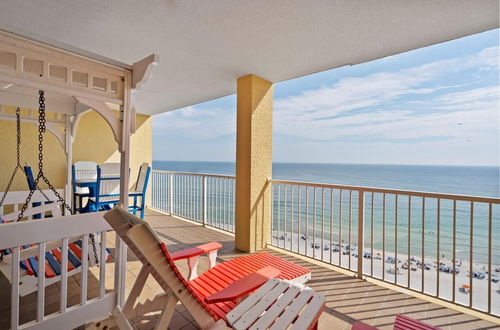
<point x="192" y="256"/>
<point x="195" y="251"/>
<point x="243" y="286"/>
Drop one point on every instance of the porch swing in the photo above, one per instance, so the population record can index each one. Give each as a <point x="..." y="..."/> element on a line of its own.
<point x="53" y="256"/>
<point x="73" y="84"/>
<point x="14" y="215"/>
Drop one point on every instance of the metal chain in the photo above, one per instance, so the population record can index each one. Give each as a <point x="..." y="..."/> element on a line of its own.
<point x="18" y="131"/>
<point x="18" y="152"/>
<point x="41" y="175"/>
<point x="18" y="165"/>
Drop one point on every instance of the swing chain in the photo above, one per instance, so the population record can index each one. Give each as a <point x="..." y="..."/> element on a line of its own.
<point x="41" y="129"/>
<point x="18" y="147"/>
<point x="41" y="175"/>
<point x="18" y="152"/>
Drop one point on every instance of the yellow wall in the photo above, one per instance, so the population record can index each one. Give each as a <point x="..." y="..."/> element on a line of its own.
<point x="94" y="141"/>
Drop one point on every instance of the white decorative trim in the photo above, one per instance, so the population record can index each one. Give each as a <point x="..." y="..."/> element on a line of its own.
<point x="55" y="130"/>
<point x="143" y="70"/>
<point x="85" y="104"/>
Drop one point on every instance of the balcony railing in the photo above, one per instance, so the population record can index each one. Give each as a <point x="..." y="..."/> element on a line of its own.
<point x="205" y="198"/>
<point x="425" y="242"/>
<point x="441" y="245"/>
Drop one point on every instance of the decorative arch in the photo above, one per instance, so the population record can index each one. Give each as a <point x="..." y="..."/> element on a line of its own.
<point x="86" y="104"/>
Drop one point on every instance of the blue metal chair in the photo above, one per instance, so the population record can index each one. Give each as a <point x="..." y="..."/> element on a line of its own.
<point x="81" y="171"/>
<point x="107" y="192"/>
<point x="140" y="190"/>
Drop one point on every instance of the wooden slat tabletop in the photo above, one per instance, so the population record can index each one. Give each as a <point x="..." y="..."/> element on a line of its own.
<point x="278" y="304"/>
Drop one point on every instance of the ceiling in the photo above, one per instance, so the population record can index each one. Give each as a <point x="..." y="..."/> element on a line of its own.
<point x="205" y="45"/>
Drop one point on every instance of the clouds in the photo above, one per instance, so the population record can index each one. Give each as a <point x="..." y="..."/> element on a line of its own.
<point x="419" y="102"/>
<point x="445" y="109"/>
<point x="196" y="123"/>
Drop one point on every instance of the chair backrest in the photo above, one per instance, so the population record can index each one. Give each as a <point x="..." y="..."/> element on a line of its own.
<point x="83" y="170"/>
<point x="108" y="180"/>
<point x="29" y="177"/>
<point x="150" y="250"/>
<point x="142" y="178"/>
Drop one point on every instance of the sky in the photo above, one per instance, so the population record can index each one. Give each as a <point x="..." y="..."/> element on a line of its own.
<point x="437" y="105"/>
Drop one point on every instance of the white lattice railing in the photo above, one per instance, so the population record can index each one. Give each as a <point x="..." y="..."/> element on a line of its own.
<point x="46" y="235"/>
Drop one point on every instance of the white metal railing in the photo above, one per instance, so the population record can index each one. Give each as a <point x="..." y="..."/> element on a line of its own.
<point x="441" y="245"/>
<point x="437" y="244"/>
<point x="205" y="198"/>
<point x="35" y="238"/>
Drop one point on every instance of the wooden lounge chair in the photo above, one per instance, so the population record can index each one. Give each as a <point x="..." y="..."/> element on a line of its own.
<point x="208" y="297"/>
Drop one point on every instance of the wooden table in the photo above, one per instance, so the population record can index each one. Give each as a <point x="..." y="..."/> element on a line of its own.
<point x="278" y="304"/>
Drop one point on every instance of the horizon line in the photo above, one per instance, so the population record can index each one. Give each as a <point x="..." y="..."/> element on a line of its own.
<point x="326" y="163"/>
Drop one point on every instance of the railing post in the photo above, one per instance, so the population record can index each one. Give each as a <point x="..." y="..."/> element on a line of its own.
<point x="361" y="218"/>
<point x="171" y="193"/>
<point x="204" y="200"/>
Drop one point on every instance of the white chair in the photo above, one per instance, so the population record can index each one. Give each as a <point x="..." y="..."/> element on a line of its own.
<point x="107" y="192"/>
<point x="82" y="171"/>
<point x="140" y="190"/>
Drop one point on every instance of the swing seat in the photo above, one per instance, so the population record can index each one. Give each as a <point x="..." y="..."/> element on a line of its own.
<point x="54" y="259"/>
<point x="53" y="256"/>
<point x="29" y="265"/>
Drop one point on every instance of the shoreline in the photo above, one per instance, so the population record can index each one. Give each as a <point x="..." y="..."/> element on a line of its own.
<point x="384" y="269"/>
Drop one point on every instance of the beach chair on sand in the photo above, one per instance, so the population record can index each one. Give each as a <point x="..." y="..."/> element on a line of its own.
<point x="208" y="297"/>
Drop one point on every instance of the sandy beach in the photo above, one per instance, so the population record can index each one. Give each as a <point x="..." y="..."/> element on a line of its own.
<point x="378" y="268"/>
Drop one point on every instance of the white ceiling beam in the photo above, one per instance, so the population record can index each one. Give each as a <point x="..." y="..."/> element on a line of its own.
<point x="31" y="102"/>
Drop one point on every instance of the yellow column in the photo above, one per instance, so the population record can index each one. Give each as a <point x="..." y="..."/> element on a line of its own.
<point x="254" y="127"/>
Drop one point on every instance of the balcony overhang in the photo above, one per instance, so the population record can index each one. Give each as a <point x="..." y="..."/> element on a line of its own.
<point x="206" y="45"/>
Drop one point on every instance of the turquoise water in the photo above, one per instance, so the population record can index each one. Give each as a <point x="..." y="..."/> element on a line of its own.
<point x="475" y="181"/>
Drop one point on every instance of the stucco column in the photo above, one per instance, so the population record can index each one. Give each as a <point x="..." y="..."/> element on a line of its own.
<point x="254" y="127"/>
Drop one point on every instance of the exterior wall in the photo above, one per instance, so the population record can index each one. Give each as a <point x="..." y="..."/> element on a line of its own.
<point x="94" y="141"/>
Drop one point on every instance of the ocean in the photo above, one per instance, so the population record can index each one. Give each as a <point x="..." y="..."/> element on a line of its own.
<point x="463" y="180"/>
